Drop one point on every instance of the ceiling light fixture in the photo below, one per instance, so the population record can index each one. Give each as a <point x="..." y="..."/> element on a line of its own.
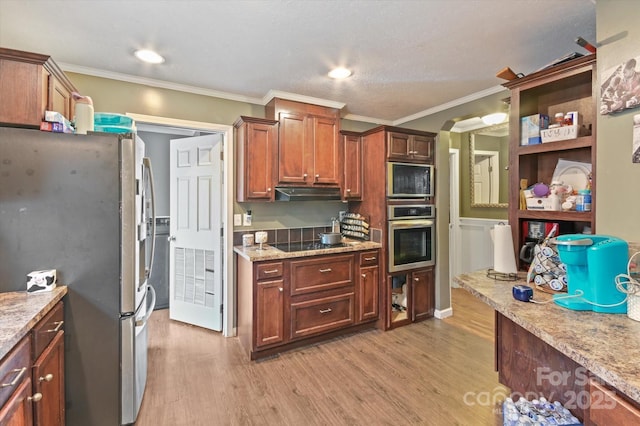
<point x="495" y="118"/>
<point x="339" y="73"/>
<point x="149" y="56"/>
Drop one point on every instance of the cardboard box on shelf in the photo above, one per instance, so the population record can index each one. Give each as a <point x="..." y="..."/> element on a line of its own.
<point x="46" y="126"/>
<point x="538" y="203"/>
<point x="530" y="127"/>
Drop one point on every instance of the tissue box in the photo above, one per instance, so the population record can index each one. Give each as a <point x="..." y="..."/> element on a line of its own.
<point x="40" y="281"/>
<point x="530" y="127"/>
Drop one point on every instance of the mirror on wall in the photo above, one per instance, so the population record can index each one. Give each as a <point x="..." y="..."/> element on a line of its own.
<point x="489" y="160"/>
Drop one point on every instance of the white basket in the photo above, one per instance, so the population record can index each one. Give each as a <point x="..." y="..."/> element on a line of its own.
<point x="633" y="307"/>
<point x="559" y="133"/>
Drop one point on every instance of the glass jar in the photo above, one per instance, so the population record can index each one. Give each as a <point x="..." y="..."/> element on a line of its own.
<point x="559" y="118"/>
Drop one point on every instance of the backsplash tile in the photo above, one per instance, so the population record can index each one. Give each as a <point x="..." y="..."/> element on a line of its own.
<point x="285" y="235"/>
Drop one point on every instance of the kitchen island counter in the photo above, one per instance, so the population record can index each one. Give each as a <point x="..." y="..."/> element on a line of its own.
<point x="605" y="344"/>
<point x="21" y="311"/>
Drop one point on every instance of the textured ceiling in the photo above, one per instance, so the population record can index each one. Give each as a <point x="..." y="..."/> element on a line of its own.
<point x="408" y="57"/>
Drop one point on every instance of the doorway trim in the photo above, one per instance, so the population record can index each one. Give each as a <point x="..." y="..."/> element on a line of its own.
<point x="228" y="289"/>
<point x="454" y="214"/>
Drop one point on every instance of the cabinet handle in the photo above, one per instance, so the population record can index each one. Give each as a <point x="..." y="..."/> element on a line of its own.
<point x="35" y="398"/>
<point x="369" y="258"/>
<point x="348" y="190"/>
<point x="280" y="289"/>
<point x="364" y="275"/>
<point x="47" y="378"/>
<point x="317" y="177"/>
<point x="325" y="311"/>
<point x="16" y="379"/>
<point x="271" y="271"/>
<point x="325" y="270"/>
<point x="304" y="176"/>
<point x="58" y="326"/>
<point x="268" y="189"/>
<point x="416" y="279"/>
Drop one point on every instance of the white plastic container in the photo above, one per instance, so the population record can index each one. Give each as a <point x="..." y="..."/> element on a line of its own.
<point x="84" y="114"/>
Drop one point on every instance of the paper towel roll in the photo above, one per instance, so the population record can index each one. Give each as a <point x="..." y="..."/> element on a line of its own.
<point x="504" y="259"/>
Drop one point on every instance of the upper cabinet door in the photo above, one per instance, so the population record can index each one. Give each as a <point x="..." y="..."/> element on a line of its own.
<point x="256" y="156"/>
<point x="352" y="155"/>
<point x="294" y="150"/>
<point x="398" y="146"/>
<point x="422" y="148"/>
<point x="326" y="151"/>
<point x="408" y="147"/>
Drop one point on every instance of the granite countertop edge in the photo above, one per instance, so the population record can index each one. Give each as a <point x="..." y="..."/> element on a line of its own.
<point x="21" y="311"/>
<point x="614" y="369"/>
<point x="254" y="254"/>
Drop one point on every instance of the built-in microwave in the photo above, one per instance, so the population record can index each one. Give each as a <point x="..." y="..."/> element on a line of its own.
<point x="407" y="180"/>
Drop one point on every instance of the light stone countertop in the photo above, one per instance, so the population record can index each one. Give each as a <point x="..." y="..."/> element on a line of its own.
<point x="21" y="311"/>
<point x="254" y="254"/>
<point x="606" y="344"/>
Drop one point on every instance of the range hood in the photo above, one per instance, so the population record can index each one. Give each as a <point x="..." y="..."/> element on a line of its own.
<point x="291" y="193"/>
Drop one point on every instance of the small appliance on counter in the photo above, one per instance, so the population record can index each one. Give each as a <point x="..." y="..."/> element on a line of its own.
<point x="593" y="262"/>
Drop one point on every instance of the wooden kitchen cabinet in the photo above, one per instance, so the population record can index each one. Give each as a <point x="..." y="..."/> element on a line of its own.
<point x="369" y="286"/>
<point x="422" y="294"/>
<point x="256" y="157"/>
<point x="410" y="147"/>
<point x="16" y="400"/>
<point x="308" y="143"/>
<point x="352" y="154"/>
<point x="567" y="87"/>
<point x="296" y="301"/>
<point x="18" y="410"/>
<point x="322" y="294"/>
<point x="412" y="296"/>
<point x="31" y="83"/>
<point x="48" y="368"/>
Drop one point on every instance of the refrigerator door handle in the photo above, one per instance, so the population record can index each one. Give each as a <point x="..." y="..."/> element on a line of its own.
<point x="146" y="161"/>
<point x="150" y="309"/>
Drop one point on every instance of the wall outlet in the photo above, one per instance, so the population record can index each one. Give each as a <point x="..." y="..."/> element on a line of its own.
<point x="237" y="219"/>
<point x="246" y="219"/>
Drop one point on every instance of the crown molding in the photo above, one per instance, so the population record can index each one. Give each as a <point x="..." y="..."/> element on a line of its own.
<point x="275" y="94"/>
<point x="452" y="104"/>
<point x="158" y="83"/>
<point x="301" y="98"/>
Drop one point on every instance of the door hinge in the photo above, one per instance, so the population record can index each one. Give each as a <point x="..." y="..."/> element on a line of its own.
<point x="221" y="155"/>
<point x="221" y="309"/>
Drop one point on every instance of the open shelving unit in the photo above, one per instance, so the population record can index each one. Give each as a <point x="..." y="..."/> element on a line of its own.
<point x="570" y="86"/>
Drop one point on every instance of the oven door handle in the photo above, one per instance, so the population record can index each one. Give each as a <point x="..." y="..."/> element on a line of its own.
<point x="410" y="223"/>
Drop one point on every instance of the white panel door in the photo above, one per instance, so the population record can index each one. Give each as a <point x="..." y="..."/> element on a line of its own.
<point x="195" y="259"/>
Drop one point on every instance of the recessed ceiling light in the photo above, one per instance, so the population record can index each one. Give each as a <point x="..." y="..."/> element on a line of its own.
<point x="495" y="118"/>
<point x="339" y="73"/>
<point x="149" y="56"/>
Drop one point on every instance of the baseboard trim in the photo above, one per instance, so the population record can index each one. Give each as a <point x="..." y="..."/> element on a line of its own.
<point x="442" y="314"/>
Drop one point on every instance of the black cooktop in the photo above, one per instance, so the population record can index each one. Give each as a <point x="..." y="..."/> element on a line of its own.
<point x="306" y="245"/>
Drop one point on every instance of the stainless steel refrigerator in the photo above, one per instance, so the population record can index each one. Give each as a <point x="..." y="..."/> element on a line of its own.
<point x="81" y="204"/>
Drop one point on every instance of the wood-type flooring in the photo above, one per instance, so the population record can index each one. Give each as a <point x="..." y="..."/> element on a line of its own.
<point x="436" y="372"/>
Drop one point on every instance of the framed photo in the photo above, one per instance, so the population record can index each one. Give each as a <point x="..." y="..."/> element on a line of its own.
<point x="620" y="88"/>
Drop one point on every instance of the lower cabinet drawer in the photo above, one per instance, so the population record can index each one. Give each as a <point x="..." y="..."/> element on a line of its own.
<point x="321" y="273"/>
<point x="47" y="328"/>
<point x="14" y="369"/>
<point x="608" y="409"/>
<point x="320" y="315"/>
